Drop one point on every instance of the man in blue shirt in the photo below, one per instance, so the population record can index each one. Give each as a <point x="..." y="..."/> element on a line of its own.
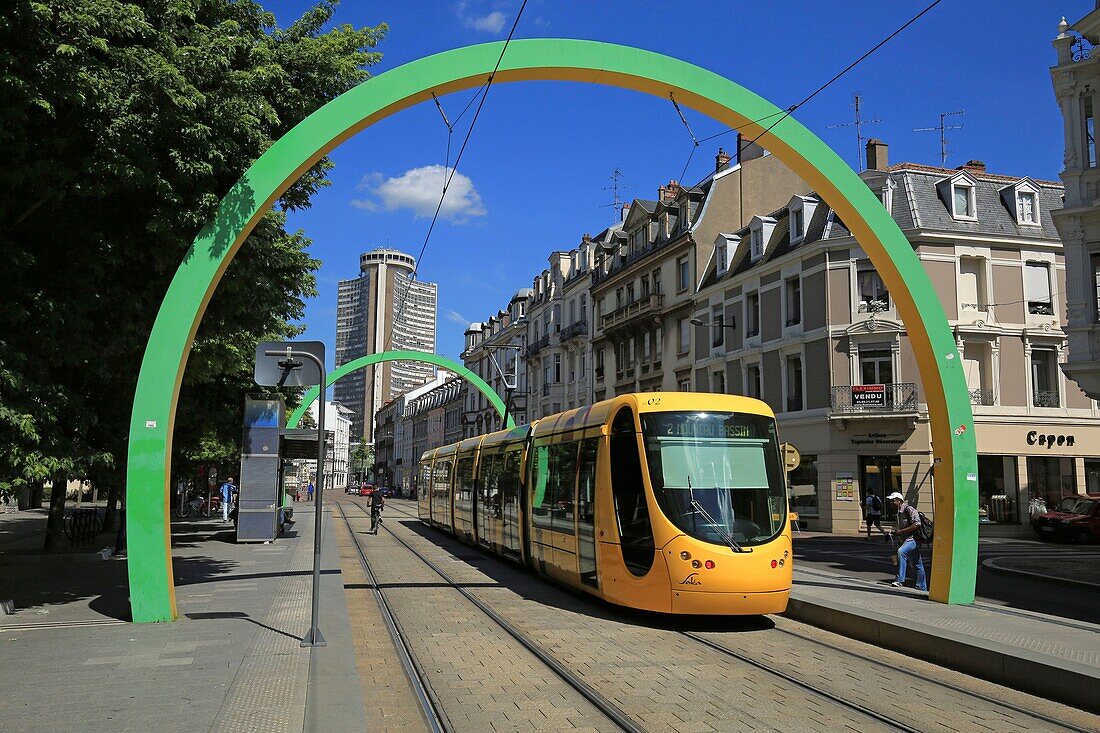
<point x="228" y="490"/>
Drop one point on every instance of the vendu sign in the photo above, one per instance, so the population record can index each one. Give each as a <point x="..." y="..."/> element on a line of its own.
<point x="1049" y="440"/>
<point x="869" y="395"/>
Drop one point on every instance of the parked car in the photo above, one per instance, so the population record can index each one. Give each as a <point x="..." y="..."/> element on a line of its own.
<point x="366" y="490"/>
<point x="1075" y="517"/>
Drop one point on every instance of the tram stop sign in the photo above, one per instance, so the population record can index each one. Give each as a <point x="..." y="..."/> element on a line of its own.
<point x="284" y="370"/>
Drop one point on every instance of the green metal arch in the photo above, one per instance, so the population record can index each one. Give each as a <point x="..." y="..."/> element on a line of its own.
<point x="371" y="359"/>
<point x="152" y="593"/>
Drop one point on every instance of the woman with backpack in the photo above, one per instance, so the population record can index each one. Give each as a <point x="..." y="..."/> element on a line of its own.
<point x="873" y="512"/>
<point x="910" y="535"/>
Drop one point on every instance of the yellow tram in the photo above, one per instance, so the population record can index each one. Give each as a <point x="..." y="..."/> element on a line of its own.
<point x="670" y="502"/>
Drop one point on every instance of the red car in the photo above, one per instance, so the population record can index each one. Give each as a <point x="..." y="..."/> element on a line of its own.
<point x="1075" y="517"/>
<point x="366" y="490"/>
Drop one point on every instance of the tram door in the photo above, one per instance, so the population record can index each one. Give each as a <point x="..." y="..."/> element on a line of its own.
<point x="881" y="475"/>
<point x="586" y="512"/>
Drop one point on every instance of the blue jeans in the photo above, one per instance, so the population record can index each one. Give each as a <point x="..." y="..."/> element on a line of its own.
<point x="910" y="547"/>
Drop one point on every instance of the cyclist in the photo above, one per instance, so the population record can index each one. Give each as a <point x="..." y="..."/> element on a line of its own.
<point x="377" y="502"/>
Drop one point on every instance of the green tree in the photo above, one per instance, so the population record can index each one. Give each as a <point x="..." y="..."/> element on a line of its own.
<point x="122" y="124"/>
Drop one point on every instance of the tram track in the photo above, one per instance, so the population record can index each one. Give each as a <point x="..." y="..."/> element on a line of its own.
<point x="431" y="706"/>
<point x="995" y="703"/>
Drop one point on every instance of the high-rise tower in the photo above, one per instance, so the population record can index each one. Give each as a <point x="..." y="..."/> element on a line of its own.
<point x="366" y="309"/>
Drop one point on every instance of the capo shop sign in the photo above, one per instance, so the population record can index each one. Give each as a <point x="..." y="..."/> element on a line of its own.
<point x="1049" y="440"/>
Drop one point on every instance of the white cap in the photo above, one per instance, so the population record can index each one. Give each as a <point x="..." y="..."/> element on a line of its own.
<point x="895" y="495"/>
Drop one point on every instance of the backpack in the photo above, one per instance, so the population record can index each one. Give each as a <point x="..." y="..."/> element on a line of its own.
<point x="876" y="503"/>
<point x="927" y="528"/>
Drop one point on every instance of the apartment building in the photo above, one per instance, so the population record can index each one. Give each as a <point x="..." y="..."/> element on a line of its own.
<point x="494" y="345"/>
<point x="397" y="446"/>
<point x="1076" y="80"/>
<point x="794" y="313"/>
<point x="546" y="391"/>
<point x="646" y="272"/>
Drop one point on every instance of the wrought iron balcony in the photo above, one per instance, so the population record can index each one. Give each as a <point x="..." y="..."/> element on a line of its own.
<point x="874" y="398"/>
<point x="648" y="305"/>
<point x="981" y="397"/>
<point x="1043" y="398"/>
<point x="538" y="345"/>
<point x="573" y="330"/>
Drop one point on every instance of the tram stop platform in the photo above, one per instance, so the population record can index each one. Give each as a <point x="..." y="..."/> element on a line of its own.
<point x="69" y="660"/>
<point x="1055" y="658"/>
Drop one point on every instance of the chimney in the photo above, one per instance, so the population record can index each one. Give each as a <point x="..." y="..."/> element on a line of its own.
<point x="668" y="193"/>
<point x="975" y="166"/>
<point x="721" y="160"/>
<point x="876" y="155"/>
<point x="625" y="210"/>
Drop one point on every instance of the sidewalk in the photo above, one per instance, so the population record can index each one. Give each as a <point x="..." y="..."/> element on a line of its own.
<point x="231" y="663"/>
<point x="1051" y="657"/>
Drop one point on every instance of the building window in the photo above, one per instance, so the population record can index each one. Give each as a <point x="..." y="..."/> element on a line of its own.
<point x="794" y="301"/>
<point x="621" y="356"/>
<point x="756" y="242"/>
<point x="584" y="307"/>
<point x="685" y="385"/>
<point x="1027" y="207"/>
<point x="998" y="493"/>
<point x="794" y="383"/>
<point x="658" y="348"/>
<point x="718" y="330"/>
<point x="629" y="293"/>
<point x="797" y="224"/>
<point x="1090" y="132"/>
<point x="657" y="282"/>
<point x="546" y="374"/>
<point x="1037" y="288"/>
<point x="972" y="284"/>
<point x="572" y="367"/>
<point x="1096" y="286"/>
<point x="685" y="336"/>
<point x="876" y="366"/>
<point x="683" y="274"/>
<point x="1044" y="378"/>
<point x="962" y="201"/>
<point x="645" y="286"/>
<point x="752" y="314"/>
<point x="619" y="298"/>
<point x="873" y="295"/>
<point x="719" y="381"/>
<point x="803" y="482"/>
<point x="752" y="381"/>
<point x="1048" y="481"/>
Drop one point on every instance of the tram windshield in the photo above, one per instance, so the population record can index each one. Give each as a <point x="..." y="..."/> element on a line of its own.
<point x="716" y="475"/>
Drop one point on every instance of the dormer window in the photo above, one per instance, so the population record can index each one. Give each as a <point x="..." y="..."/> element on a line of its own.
<point x="959" y="192"/>
<point x="1022" y="199"/>
<point x="801" y="208"/>
<point x="722" y="251"/>
<point x="962" y="201"/>
<point x="760" y="231"/>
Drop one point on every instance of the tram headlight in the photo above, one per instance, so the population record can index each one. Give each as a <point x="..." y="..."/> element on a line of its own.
<point x="782" y="563"/>
<point x="685" y="555"/>
<point x="696" y="564"/>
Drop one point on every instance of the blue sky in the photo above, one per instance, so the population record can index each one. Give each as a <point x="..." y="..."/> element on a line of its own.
<point x="533" y="178"/>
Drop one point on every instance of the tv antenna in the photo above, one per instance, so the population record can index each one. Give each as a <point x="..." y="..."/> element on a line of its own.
<point x="943" y="128"/>
<point x="858" y="123"/>
<point x="614" y="188"/>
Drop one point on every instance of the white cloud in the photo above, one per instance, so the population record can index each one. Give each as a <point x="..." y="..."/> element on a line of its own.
<point x="457" y="318"/>
<point x="418" y="190"/>
<point x="491" y="23"/>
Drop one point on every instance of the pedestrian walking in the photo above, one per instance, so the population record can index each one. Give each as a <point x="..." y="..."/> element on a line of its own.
<point x="872" y="506"/>
<point x="309" y="492"/>
<point x="227" y="492"/>
<point x="911" y="543"/>
<point x="377" y="503"/>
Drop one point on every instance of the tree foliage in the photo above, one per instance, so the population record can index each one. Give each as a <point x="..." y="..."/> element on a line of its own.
<point x="122" y="125"/>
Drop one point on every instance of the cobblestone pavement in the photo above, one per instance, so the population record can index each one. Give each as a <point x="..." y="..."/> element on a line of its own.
<point x="389" y="702"/>
<point x="484" y="678"/>
<point x="668" y="681"/>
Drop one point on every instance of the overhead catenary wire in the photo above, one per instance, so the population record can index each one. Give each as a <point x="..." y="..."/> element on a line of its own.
<point x="783" y="114"/>
<point x="452" y="170"/>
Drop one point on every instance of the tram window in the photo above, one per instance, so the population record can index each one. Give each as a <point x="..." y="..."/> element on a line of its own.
<point x="509" y="484"/>
<point x="464" y="483"/>
<point x="563" y="481"/>
<point x="628" y="490"/>
<point x="540" y="502"/>
<point x="586" y="511"/>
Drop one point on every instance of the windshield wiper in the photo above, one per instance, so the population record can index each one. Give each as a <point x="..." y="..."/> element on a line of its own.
<point x="721" y="531"/>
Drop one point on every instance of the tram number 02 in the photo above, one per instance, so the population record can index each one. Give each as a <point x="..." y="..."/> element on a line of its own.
<point x="653" y="401"/>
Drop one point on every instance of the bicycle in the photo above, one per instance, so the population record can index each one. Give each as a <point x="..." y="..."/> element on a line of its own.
<point x="200" y="506"/>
